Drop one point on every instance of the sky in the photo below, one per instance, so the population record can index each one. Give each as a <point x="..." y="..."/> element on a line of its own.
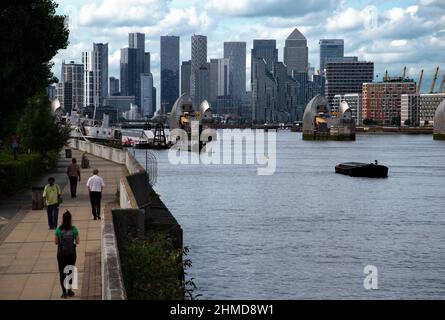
<point x="392" y="34"/>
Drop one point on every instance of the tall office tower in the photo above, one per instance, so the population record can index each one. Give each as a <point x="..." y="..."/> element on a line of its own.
<point x="347" y="77"/>
<point x="236" y="53"/>
<point x="213" y="82"/>
<point x="95" y="75"/>
<point x="114" y="86"/>
<point x="199" y="60"/>
<point x="296" y="52"/>
<point x="264" y="92"/>
<point x="73" y="88"/>
<point x="169" y="71"/>
<point x="330" y="49"/>
<point x="224" y="99"/>
<point x="137" y="41"/>
<point x="154" y="104"/>
<point x="128" y="71"/>
<point x="185" y="76"/>
<point x="146" y="66"/>
<point x="147" y="107"/>
<point x="202" y="85"/>
<point x="267" y="50"/>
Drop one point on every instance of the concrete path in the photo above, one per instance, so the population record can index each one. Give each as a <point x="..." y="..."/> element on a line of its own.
<point x="28" y="264"/>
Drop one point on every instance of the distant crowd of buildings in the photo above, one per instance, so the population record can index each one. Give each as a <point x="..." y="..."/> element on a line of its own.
<point x="279" y="90"/>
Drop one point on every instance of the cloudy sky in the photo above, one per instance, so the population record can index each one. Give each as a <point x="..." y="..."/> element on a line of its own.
<point x="389" y="33"/>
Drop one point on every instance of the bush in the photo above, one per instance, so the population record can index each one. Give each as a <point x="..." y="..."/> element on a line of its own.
<point x="16" y="174"/>
<point x="154" y="270"/>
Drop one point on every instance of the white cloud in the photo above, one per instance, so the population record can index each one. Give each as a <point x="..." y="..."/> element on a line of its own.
<point x="116" y="12"/>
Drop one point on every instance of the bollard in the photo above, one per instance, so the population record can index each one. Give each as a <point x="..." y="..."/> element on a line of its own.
<point x="37" y="198"/>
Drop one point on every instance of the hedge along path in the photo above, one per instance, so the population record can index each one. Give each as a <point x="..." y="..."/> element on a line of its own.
<point x="28" y="264"/>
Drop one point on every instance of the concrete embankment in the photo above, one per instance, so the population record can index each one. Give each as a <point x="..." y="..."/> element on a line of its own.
<point x="141" y="212"/>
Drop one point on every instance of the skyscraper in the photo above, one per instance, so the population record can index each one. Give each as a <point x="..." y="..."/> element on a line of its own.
<point x="185" y="76"/>
<point x="330" y="49"/>
<point x="114" y="86"/>
<point x="128" y="72"/>
<point x="296" y="52"/>
<point x="347" y="77"/>
<point x="202" y="84"/>
<point x="147" y="106"/>
<point x="137" y="41"/>
<point x="73" y="88"/>
<point x="236" y="53"/>
<point x="199" y="60"/>
<point x="95" y="75"/>
<point x="213" y="82"/>
<point x="169" y="71"/>
<point x="267" y="50"/>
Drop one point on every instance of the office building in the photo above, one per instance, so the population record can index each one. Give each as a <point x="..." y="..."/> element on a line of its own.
<point x="185" y="76"/>
<point x="114" y="86"/>
<point x="264" y="92"/>
<point x="236" y="53"/>
<point x="169" y="71"/>
<point x="147" y="106"/>
<point x="296" y="53"/>
<point x="95" y="64"/>
<point x="346" y="78"/>
<point x="128" y="72"/>
<point x="330" y="49"/>
<point x="72" y="88"/>
<point x="198" y="62"/>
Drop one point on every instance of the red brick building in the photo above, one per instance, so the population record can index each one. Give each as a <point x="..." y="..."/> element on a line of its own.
<point x="382" y="100"/>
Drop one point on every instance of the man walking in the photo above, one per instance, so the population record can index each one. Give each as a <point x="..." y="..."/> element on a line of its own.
<point x="52" y="197"/>
<point x="73" y="172"/>
<point x="95" y="186"/>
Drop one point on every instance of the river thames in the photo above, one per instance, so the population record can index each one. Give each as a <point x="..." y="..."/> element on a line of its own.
<point x="306" y="232"/>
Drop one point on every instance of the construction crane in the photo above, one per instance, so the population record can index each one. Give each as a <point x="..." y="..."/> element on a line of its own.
<point x="404" y="73"/>
<point x="420" y="82"/>
<point x="441" y="89"/>
<point x="434" y="80"/>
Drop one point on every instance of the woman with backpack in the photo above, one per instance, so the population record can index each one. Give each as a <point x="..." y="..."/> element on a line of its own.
<point x="66" y="239"/>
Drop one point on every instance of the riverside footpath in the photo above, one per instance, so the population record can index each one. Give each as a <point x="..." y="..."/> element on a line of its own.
<point x="28" y="263"/>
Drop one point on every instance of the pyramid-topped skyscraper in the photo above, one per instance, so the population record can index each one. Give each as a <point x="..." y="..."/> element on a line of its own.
<point x="296" y="53"/>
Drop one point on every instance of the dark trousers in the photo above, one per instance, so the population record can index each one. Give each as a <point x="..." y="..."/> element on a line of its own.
<point x="63" y="261"/>
<point x="53" y="214"/>
<point x="73" y="185"/>
<point x="95" y="198"/>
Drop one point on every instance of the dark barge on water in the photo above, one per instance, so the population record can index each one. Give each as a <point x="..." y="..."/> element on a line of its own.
<point x="357" y="169"/>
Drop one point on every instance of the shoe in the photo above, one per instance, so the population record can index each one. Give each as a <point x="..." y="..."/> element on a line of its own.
<point x="98" y="218"/>
<point x="64" y="295"/>
<point x="70" y="293"/>
<point x="95" y="218"/>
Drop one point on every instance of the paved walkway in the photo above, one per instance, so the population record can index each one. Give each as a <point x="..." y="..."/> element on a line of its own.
<point x="28" y="264"/>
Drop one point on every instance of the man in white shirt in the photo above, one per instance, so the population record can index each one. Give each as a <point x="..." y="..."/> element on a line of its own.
<point x="95" y="185"/>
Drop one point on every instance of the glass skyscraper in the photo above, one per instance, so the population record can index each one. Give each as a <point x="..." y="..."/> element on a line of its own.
<point x="169" y="71"/>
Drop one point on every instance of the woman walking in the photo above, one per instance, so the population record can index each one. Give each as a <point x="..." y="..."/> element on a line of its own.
<point x="66" y="239"/>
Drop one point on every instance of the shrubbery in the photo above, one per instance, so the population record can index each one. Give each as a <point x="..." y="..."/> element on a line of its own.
<point x="16" y="174"/>
<point x="153" y="270"/>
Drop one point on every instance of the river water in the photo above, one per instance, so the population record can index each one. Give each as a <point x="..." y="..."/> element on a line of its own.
<point x="308" y="233"/>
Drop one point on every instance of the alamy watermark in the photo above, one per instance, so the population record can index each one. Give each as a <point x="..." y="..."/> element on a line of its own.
<point x="372" y="276"/>
<point x="71" y="278"/>
<point x="232" y="146"/>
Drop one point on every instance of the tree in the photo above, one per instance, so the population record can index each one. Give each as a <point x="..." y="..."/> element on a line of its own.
<point x="30" y="36"/>
<point x="38" y="127"/>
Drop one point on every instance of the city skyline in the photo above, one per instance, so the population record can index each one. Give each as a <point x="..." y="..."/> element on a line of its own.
<point x="397" y="39"/>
